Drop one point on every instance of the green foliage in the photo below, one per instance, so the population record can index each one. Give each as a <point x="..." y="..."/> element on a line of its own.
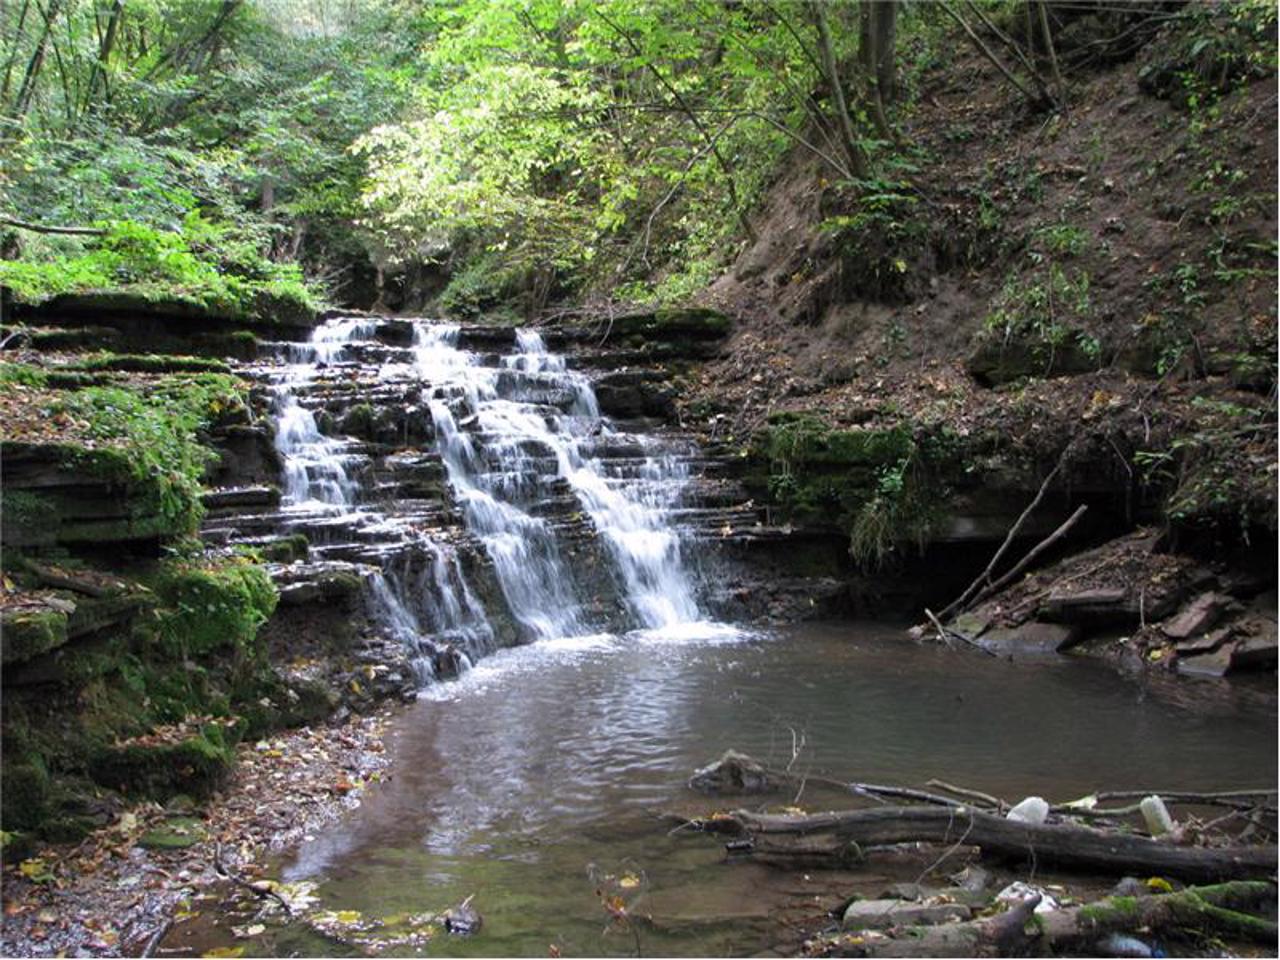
<point x="1208" y="476"/>
<point x="152" y="440"/>
<point x="883" y="486"/>
<point x="1042" y="312"/>
<point x="22" y="374"/>
<point x="163" y="265"/>
<point x="1217" y="47"/>
<point x="881" y="240"/>
<point x="213" y="605"/>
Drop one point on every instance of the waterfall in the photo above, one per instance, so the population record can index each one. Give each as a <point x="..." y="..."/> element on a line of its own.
<point x="573" y="514"/>
<point x="532" y="409"/>
<point x="433" y="612"/>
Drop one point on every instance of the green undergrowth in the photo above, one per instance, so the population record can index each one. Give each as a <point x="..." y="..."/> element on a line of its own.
<point x="199" y="266"/>
<point x="207" y="607"/>
<point x="152" y="440"/>
<point x="883" y="487"/>
<point x="150" y="706"/>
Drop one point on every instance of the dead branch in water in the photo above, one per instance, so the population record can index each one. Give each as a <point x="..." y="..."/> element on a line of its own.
<point x="833" y="836"/>
<point x="261" y="892"/>
<point x="1221" y="909"/>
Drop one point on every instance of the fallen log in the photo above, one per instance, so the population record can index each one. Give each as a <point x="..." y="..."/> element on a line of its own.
<point x="843" y="834"/>
<point x="1218" y="909"/>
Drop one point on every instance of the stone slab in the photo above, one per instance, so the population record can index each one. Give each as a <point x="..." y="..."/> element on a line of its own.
<point x="879" y="914"/>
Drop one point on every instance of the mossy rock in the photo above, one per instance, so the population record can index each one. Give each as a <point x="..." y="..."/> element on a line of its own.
<point x="27" y="634"/>
<point x="151" y="363"/>
<point x="176" y="833"/>
<point x="272" y="703"/>
<point x="282" y="308"/>
<point x="69" y="829"/>
<point x="995" y="360"/>
<point x="666" y="323"/>
<point x="286" y="549"/>
<point x="196" y="765"/>
<point x="24" y="793"/>
<point x="804" y="439"/>
<point x="28" y="518"/>
<point x="211" y="607"/>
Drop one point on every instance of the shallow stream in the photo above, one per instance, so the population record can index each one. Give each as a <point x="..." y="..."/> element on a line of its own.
<point x="551" y="761"/>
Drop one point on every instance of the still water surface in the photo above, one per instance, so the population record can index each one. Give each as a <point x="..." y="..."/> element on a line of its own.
<point x="546" y="761"/>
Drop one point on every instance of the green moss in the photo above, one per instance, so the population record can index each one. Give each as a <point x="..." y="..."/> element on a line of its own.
<point x="28" y="517"/>
<point x="24" y="793"/>
<point x="150" y="363"/>
<point x="151" y="442"/>
<point x="1109" y="910"/>
<point x="176" y="833"/>
<point x="286" y="549"/>
<point x="21" y="374"/>
<point x="179" y="272"/>
<point x="883" y="486"/>
<point x="212" y="606"/>
<point x="27" y="634"/>
<point x="195" y="765"/>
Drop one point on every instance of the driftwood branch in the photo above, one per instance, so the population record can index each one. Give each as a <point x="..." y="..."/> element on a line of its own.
<point x="43" y="228"/>
<point x="836" y="834"/>
<point x="962" y="603"/>
<point x="1216" y="909"/>
<point x="261" y="892"/>
<point x="1036" y="551"/>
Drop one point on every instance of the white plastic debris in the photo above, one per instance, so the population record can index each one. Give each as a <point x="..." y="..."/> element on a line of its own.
<point x="1156" y="814"/>
<point x="1030" y="810"/>
<point x="1017" y="892"/>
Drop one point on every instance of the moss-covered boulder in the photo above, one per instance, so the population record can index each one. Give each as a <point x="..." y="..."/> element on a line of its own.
<point x="25" y="634"/>
<point x="24" y="794"/>
<point x="996" y="360"/>
<point x="176" y="833"/>
<point x="158" y="767"/>
<point x="212" y="606"/>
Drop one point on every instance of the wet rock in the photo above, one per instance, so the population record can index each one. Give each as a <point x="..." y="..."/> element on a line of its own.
<point x="1200" y="615"/>
<point x="1111" y="606"/>
<point x="462" y="920"/>
<point x="972" y="878"/>
<point x="1257" y="652"/>
<point x="733" y="773"/>
<point x="880" y="914"/>
<point x="1207" y="643"/>
<point x="972" y="625"/>
<point x="1032" y="638"/>
<point x="177" y="833"/>
<point x="263" y="495"/>
<point x="1215" y="664"/>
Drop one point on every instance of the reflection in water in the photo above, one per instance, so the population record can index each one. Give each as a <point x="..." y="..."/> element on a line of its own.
<point x="547" y="758"/>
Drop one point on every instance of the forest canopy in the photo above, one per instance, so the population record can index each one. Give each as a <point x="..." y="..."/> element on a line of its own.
<point x="523" y="149"/>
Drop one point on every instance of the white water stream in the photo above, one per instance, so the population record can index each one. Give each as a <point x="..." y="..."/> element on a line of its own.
<point x="520" y="439"/>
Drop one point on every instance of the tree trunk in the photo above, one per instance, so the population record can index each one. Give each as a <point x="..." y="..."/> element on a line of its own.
<point x="884" y="31"/>
<point x="99" y="74"/>
<point x="844" y="123"/>
<point x="12" y="59"/>
<point x="27" y="90"/>
<point x="1077" y="930"/>
<point x="842" y="834"/>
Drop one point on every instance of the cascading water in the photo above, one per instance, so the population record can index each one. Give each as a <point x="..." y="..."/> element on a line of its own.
<point x="572" y="514"/>
<point x="421" y="595"/>
<point x="507" y="435"/>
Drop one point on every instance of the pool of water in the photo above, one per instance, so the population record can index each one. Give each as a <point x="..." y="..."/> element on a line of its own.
<point x="551" y="765"/>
